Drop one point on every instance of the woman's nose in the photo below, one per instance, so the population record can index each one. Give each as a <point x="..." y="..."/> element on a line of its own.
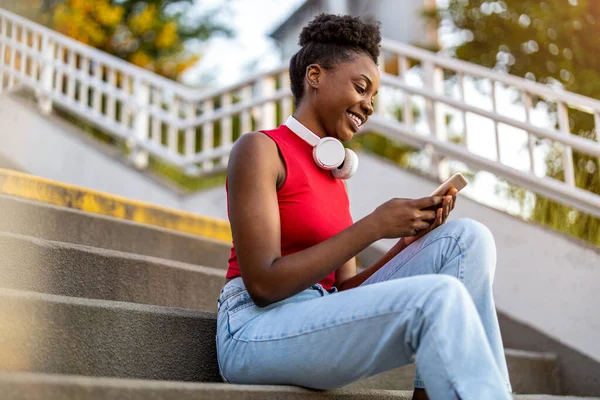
<point x="367" y="107"/>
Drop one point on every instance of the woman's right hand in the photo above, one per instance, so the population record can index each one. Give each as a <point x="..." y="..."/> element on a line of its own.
<point x="405" y="217"/>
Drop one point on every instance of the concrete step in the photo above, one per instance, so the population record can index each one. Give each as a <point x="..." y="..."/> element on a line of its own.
<point x="67" y="335"/>
<point x="62" y="224"/>
<point x="81" y="271"/>
<point x="530" y="372"/>
<point x="59" y="334"/>
<point x="35" y="386"/>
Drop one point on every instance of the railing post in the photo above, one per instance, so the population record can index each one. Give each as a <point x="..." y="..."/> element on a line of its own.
<point x="436" y="119"/>
<point x="379" y="105"/>
<point x="246" y="118"/>
<point x="565" y="128"/>
<point x="226" y="127"/>
<point x="530" y="138"/>
<point x="141" y="92"/>
<point x="208" y="137"/>
<point x="96" y="91"/>
<point x="13" y="57"/>
<point x="403" y="67"/>
<point x="83" y="82"/>
<point x="597" y="128"/>
<point x="286" y="102"/>
<point x="267" y="115"/>
<point x="3" y="25"/>
<point x="46" y="78"/>
<point x="190" y="137"/>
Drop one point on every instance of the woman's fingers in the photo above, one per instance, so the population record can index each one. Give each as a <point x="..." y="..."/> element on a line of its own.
<point x="428" y="215"/>
<point x="423" y="225"/>
<point x="452" y="192"/>
<point x="445" y="208"/>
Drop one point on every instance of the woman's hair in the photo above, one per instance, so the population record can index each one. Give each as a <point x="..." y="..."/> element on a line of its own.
<point x="329" y="40"/>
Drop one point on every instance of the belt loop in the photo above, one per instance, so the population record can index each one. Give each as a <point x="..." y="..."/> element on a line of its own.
<point x="320" y="288"/>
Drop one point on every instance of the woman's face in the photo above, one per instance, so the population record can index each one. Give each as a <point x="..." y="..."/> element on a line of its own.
<point x="344" y="97"/>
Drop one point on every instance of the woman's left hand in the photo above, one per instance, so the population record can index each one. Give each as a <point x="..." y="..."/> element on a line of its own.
<point x="442" y="215"/>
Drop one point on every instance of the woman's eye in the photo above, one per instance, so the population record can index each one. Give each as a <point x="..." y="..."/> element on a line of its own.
<point x="360" y="89"/>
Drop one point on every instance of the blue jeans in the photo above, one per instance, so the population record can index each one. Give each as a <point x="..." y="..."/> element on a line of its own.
<point x="432" y="304"/>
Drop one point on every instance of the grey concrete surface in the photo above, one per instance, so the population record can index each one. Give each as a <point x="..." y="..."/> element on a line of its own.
<point x="529" y="372"/>
<point x="80" y="271"/>
<point x="35" y="386"/>
<point x="46" y="221"/>
<point x="6" y="163"/>
<point x="56" y="149"/>
<point x="73" y="270"/>
<point x="578" y="374"/>
<point x="68" y="335"/>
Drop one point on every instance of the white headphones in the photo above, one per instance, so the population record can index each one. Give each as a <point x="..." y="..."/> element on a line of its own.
<point x="328" y="152"/>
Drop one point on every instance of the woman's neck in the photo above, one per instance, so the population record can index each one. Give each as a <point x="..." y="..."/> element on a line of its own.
<point x="308" y="119"/>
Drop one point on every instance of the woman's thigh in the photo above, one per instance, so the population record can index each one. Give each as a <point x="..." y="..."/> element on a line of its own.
<point x="328" y="341"/>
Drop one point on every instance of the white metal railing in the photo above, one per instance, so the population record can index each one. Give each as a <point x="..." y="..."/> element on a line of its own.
<point x="434" y="69"/>
<point x="195" y="130"/>
<point x="155" y="116"/>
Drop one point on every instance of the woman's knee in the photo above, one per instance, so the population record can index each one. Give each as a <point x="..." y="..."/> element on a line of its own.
<point x="444" y="290"/>
<point x="443" y="285"/>
<point x="472" y="229"/>
<point x="478" y="241"/>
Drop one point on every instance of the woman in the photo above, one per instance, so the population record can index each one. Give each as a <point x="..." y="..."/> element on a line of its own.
<point x="293" y="310"/>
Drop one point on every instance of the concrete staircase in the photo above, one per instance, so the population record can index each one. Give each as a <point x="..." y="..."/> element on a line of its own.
<point x="94" y="306"/>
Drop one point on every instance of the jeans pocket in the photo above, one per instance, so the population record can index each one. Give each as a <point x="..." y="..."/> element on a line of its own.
<point x="241" y="309"/>
<point x="238" y="302"/>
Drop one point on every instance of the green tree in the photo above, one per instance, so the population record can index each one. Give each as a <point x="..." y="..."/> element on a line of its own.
<point x="553" y="42"/>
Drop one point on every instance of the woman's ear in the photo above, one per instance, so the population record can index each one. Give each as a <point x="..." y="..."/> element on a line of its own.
<point x="313" y="73"/>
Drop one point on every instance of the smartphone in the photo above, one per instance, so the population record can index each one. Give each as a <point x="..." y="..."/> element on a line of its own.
<point x="457" y="180"/>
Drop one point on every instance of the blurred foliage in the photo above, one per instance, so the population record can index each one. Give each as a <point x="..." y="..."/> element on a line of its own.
<point x="555" y="42"/>
<point x="149" y="33"/>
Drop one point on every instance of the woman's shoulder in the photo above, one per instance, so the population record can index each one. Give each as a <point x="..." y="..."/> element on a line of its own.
<point x="254" y="143"/>
<point x="255" y="151"/>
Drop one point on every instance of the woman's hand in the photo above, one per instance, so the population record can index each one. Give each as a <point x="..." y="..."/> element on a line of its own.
<point x="405" y="217"/>
<point x="442" y="214"/>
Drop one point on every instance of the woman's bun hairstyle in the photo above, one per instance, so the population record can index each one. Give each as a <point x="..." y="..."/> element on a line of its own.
<point x="329" y="40"/>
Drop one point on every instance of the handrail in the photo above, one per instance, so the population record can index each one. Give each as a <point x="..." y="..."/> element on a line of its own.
<point x="195" y="129"/>
<point x="99" y="55"/>
<point x="482" y="72"/>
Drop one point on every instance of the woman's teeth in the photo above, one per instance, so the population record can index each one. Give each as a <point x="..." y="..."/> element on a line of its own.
<point x="354" y="118"/>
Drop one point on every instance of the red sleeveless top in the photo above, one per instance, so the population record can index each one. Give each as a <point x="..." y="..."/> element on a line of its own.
<point x="313" y="205"/>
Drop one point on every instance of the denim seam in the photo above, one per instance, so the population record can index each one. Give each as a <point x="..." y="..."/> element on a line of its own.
<point x="240" y="308"/>
<point x="461" y="259"/>
<point x="230" y="295"/>
<point x="219" y="362"/>
<point x="419" y="384"/>
<point x="444" y="362"/>
<point x="423" y="248"/>
<point x="320" y="329"/>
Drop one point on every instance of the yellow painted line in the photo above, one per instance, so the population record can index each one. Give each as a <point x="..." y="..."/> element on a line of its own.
<point x="32" y="187"/>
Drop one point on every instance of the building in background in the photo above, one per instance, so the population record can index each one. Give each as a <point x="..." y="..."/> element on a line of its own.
<point x="401" y="20"/>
